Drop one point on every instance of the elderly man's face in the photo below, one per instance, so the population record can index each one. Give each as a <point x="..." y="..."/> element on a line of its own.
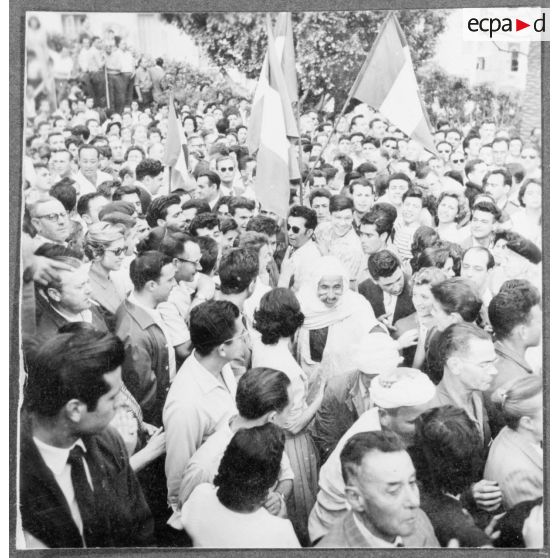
<point x="75" y="292"/>
<point x="51" y="221"/>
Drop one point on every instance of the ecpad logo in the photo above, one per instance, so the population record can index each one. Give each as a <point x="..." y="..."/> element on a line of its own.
<point x="494" y="25"/>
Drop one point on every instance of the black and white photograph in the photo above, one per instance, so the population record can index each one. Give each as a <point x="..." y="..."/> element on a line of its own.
<point x="280" y="279"/>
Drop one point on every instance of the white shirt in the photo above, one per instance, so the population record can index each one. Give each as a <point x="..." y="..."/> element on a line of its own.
<point x="174" y="313"/>
<point x="389" y="304"/>
<point x="212" y="525"/>
<point x="304" y="261"/>
<point x="85" y="186"/>
<point x="197" y="405"/>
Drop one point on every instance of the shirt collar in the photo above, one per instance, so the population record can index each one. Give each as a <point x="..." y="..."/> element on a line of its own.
<point x="375" y="542"/>
<point x="56" y="458"/>
<point x="205" y="379"/>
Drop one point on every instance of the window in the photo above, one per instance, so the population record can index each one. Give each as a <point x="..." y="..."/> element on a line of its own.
<point x="480" y="63"/>
<point x="514" y="61"/>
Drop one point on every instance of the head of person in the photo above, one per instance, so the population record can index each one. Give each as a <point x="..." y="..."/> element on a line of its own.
<point x="208" y="183"/>
<point x="182" y="248"/>
<point x="229" y="232"/>
<point x="264" y="395"/>
<point x="205" y="224"/>
<point x="152" y="274"/>
<point x="380" y="484"/>
<point x="60" y="162"/>
<point x="341" y="209"/>
<point x="134" y="156"/>
<point x="319" y="202"/>
<point x="423" y="280"/>
<point x="50" y="219"/>
<point x="530" y="158"/>
<point x="513" y="252"/>
<point x="377" y="353"/>
<point x="521" y="403"/>
<point x="438" y="255"/>
<point x="226" y="167"/>
<point x="475" y="170"/>
<point x="468" y="356"/>
<point x="250" y="467"/>
<point x="88" y="160"/>
<point x="70" y="291"/>
<point x="451" y="444"/>
<point x="105" y="245"/>
<point x="413" y="202"/>
<point x="166" y="211"/>
<point x="238" y="270"/>
<point x="65" y="192"/>
<point x="217" y="330"/>
<point x="376" y="227"/>
<point x="484" y="217"/>
<point x="264" y="225"/>
<point x="129" y="194"/>
<point x="75" y="378"/>
<point x="386" y="272"/>
<point x="150" y="173"/>
<point x="515" y="314"/>
<point x="498" y="183"/>
<point x="191" y="208"/>
<point x="301" y="224"/>
<point x="362" y="192"/>
<point x="451" y="207"/>
<point x="241" y="210"/>
<point x="500" y="150"/>
<point x="89" y="205"/>
<point x="279" y="315"/>
<point x="258" y="243"/>
<point x="456" y="300"/>
<point x="530" y="194"/>
<point x="444" y="149"/>
<point x="397" y="185"/>
<point x="476" y="265"/>
<point x="471" y="145"/>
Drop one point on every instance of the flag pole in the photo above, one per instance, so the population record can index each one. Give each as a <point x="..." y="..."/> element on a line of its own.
<point x="301" y="188"/>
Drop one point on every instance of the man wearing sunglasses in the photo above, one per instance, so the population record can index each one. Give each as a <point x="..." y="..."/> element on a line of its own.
<point x="226" y="168"/>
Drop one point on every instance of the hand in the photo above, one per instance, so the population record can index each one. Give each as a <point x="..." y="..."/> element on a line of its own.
<point x="533" y="528"/>
<point x="273" y="503"/>
<point x="156" y="444"/>
<point x="489" y="529"/>
<point x="127" y="426"/>
<point x="408" y="338"/>
<point x="384" y="319"/>
<point x="150" y="428"/>
<point x="46" y="270"/>
<point x="487" y="495"/>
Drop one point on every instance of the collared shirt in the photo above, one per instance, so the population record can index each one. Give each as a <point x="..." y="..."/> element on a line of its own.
<point x="304" y="261"/>
<point x="375" y="542"/>
<point x="128" y="63"/>
<point x="95" y="60"/>
<point x="390" y="301"/>
<point x="197" y="404"/>
<point x="114" y="61"/>
<point x="56" y="459"/>
<point x="174" y="313"/>
<point x="85" y="186"/>
<point x="83" y="316"/>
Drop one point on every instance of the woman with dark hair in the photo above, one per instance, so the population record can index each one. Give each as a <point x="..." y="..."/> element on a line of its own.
<point x="451" y="209"/>
<point x="450" y="447"/>
<point x="231" y="513"/>
<point x="527" y="220"/>
<point x="455" y="300"/>
<point x="277" y="320"/>
<point x="522" y="526"/>
<point x="423" y="238"/>
<point x="515" y="460"/>
<point x="443" y="255"/>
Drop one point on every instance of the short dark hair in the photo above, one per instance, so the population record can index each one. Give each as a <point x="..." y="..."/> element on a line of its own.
<point x="363" y="443"/>
<point x="308" y="214"/>
<point x="203" y="221"/>
<point x="239" y="202"/>
<point x="238" y="268"/>
<point x="414" y="193"/>
<point x="458" y="295"/>
<point x="250" y="466"/>
<point x="262" y="224"/>
<point x="209" y="248"/>
<point x="134" y="148"/>
<point x="523" y="187"/>
<point x="511" y="308"/>
<point x="83" y="202"/>
<point x="452" y="447"/>
<point x="399" y="176"/>
<point x="261" y="390"/>
<point x="470" y="165"/>
<point x="65" y="192"/>
<point x="227" y="224"/>
<point x="147" y="267"/>
<point x="487" y="207"/>
<point x="361" y="182"/>
<point x="345" y="160"/>
<point x="456" y="338"/>
<point x="148" y="167"/>
<point x="85" y="146"/>
<point x="212" y="323"/>
<point x="339" y="203"/>
<point x="383" y="264"/>
<point x="382" y="216"/>
<point x="506" y="175"/>
<point x="122" y="191"/>
<point x="434" y="256"/>
<point x="520" y="245"/>
<point x="201" y="206"/>
<point x="158" y="208"/>
<point x="278" y="316"/>
<point x="212" y="177"/>
<point x="71" y="366"/>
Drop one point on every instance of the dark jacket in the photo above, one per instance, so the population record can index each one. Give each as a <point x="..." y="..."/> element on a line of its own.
<point x="341" y="406"/>
<point x="45" y="513"/>
<point x="375" y="296"/>
<point x="146" y="366"/>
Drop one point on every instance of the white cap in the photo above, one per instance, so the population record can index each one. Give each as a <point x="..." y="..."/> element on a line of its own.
<point x="377" y="353"/>
<point x="401" y="387"/>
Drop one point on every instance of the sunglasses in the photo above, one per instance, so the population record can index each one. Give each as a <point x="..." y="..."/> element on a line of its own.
<point x="458" y="160"/>
<point x="528" y="156"/>
<point x="225" y="169"/>
<point x="293" y="228"/>
<point x="117" y="252"/>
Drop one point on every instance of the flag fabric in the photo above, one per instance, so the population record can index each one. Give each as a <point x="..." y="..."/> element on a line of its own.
<point x="271" y="122"/>
<point x="176" y="155"/>
<point x="388" y="83"/>
<point x="284" y="46"/>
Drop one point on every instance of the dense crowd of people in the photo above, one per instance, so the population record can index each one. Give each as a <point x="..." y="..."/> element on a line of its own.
<point x="365" y="371"/>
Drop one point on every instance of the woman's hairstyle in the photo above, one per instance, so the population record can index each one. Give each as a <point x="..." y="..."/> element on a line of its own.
<point x="99" y="236"/>
<point x="250" y="467"/>
<point x="261" y="390"/>
<point x="458" y="295"/>
<point x="451" y="445"/>
<point x="428" y="276"/>
<point x="423" y="238"/>
<point x="278" y="316"/>
<point x="462" y="204"/>
<point x="520" y="398"/>
<point x="521" y="192"/>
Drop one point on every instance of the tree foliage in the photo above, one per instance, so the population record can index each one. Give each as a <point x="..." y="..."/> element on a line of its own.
<point x="330" y="46"/>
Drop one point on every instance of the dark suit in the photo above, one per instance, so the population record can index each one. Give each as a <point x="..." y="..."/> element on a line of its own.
<point x="346" y="534"/>
<point x="45" y="513"/>
<point x="341" y="406"/>
<point x="51" y="321"/>
<point x="375" y="296"/>
<point x="146" y="367"/>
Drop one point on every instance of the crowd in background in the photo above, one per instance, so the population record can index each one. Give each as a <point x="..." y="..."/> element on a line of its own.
<point x="365" y="371"/>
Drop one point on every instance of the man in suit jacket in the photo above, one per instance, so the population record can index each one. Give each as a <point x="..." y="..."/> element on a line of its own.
<point x="76" y="486"/>
<point x="388" y="292"/>
<point x="371" y="462"/>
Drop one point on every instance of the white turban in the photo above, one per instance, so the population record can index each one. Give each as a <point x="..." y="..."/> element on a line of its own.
<point x="377" y="353"/>
<point x="401" y="387"/>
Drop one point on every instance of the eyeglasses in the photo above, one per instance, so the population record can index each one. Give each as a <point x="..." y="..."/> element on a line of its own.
<point x="188" y="261"/>
<point x="293" y="228"/>
<point x="117" y="252"/>
<point x="225" y="169"/>
<point x="243" y="335"/>
<point x="53" y="216"/>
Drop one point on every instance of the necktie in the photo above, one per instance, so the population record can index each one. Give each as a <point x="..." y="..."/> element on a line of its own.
<point x="84" y="497"/>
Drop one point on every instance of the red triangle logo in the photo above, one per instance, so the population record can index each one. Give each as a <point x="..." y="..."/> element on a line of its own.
<point x="519" y="25"/>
